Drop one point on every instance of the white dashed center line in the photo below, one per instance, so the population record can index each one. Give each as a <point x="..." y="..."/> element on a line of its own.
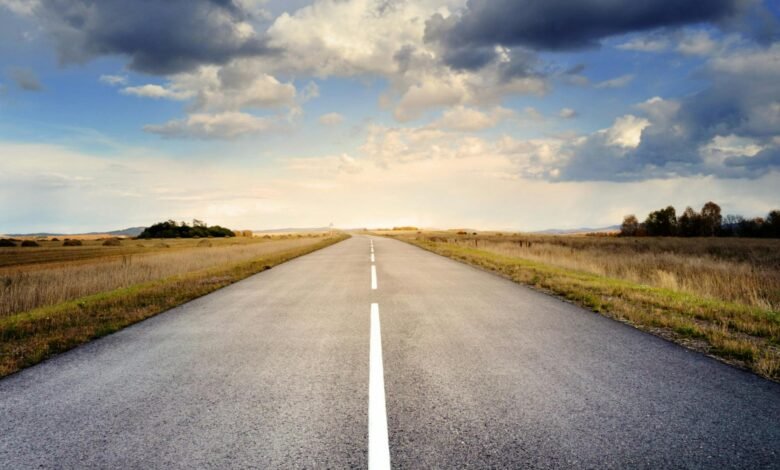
<point x="378" y="445"/>
<point x="373" y="277"/>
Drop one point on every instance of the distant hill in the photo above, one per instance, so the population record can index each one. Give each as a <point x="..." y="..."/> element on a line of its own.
<point x="572" y="231"/>
<point x="127" y="232"/>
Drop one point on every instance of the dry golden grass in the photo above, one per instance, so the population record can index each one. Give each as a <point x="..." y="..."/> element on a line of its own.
<point x="30" y="286"/>
<point x="746" y="271"/>
<point x="715" y="296"/>
<point x="52" y="251"/>
<point x="123" y="291"/>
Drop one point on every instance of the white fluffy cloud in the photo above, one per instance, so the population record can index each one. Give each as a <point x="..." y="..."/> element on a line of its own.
<point x="239" y="85"/>
<point x="626" y="131"/>
<point x="226" y="125"/>
<point x="461" y="118"/>
<point x="157" y="92"/>
<point x="378" y="38"/>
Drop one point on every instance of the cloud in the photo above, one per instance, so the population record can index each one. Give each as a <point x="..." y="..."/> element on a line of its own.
<point x="697" y="43"/>
<point x="425" y="87"/>
<point x="113" y="80"/>
<point x="686" y="41"/>
<point x="156" y="92"/>
<point x="20" y="7"/>
<point x="465" y="119"/>
<point x="626" y="131"/>
<point x="195" y="32"/>
<point x="568" y="113"/>
<point x="377" y="38"/>
<point x="227" y="125"/>
<point x="238" y="85"/>
<point x="241" y="84"/>
<point x="84" y="192"/>
<point x="567" y="24"/>
<point x="646" y="43"/>
<point x="617" y="82"/>
<point x="349" y="38"/>
<point x="730" y="129"/>
<point x="331" y="119"/>
<point x="25" y="78"/>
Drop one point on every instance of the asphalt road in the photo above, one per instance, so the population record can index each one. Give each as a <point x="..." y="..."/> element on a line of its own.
<point x="273" y="372"/>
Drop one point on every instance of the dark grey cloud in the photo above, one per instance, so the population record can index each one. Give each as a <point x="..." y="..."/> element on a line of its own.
<point x="158" y="36"/>
<point x="25" y="79"/>
<point x="563" y="24"/>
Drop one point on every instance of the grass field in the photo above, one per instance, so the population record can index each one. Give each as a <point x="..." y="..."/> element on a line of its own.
<point x="54" y="298"/>
<point x="718" y="296"/>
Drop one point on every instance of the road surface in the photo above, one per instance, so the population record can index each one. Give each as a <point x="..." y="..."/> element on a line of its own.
<point x="466" y="369"/>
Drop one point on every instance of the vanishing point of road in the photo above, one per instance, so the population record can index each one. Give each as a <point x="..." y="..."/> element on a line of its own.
<point x="374" y="353"/>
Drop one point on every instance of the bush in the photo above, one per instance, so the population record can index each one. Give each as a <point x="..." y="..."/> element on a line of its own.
<point x="4" y="242"/>
<point x="205" y="243"/>
<point x="69" y="242"/>
<point x="171" y="229"/>
<point x="30" y="243"/>
<point x="112" y="242"/>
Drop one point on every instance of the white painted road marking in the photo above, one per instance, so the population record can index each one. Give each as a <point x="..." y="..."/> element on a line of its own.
<point x="378" y="445"/>
<point x="372" y="257"/>
<point x="373" y="277"/>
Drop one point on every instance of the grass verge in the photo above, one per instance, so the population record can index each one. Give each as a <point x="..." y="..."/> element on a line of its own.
<point x="30" y="337"/>
<point x="741" y="335"/>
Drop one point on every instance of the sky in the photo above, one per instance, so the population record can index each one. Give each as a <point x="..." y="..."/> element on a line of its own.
<point x="487" y="114"/>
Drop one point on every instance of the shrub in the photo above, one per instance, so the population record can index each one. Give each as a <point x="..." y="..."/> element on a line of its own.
<point x="112" y="242"/>
<point x="171" y="229"/>
<point x="204" y="243"/>
<point x="4" y="242"/>
<point x="30" y="243"/>
<point x="69" y="242"/>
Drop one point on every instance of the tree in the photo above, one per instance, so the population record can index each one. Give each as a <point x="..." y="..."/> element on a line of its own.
<point x="710" y="219"/>
<point x="689" y="223"/>
<point x="630" y="226"/>
<point x="661" y="223"/>
<point x="772" y="225"/>
<point x="731" y="226"/>
<point x="751" y="227"/>
<point x="171" y="229"/>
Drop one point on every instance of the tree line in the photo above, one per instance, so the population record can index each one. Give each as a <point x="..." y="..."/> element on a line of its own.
<point x="172" y="229"/>
<point x="707" y="223"/>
